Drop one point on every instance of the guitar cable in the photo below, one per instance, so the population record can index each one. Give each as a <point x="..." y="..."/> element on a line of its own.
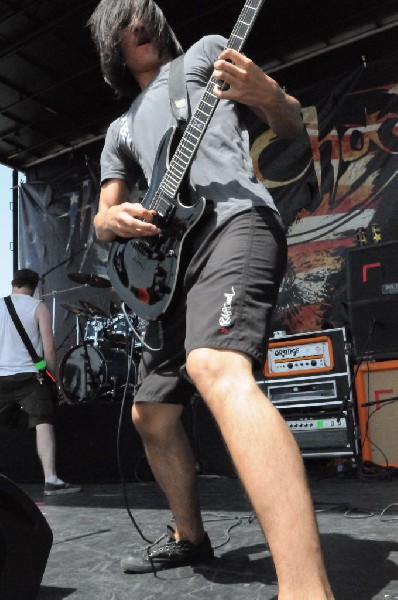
<point x="137" y="335"/>
<point x="346" y="400"/>
<point x="131" y="363"/>
<point x="118" y="452"/>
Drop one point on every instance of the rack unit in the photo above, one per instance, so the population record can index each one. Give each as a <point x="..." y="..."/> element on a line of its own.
<point x="307" y="377"/>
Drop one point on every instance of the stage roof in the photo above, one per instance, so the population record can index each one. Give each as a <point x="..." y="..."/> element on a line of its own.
<point x="52" y="95"/>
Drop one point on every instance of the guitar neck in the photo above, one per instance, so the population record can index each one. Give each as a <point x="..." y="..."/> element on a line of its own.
<point x="199" y="121"/>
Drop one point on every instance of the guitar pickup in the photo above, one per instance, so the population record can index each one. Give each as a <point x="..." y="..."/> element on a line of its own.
<point x="118" y="262"/>
<point x="164" y="212"/>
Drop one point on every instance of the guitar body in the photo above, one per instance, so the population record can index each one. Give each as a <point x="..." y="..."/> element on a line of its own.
<point x="143" y="271"/>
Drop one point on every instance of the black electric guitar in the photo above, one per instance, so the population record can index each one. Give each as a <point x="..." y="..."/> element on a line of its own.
<point x="143" y="271"/>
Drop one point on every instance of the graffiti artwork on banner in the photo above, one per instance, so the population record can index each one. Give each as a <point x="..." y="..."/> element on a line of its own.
<point x="341" y="174"/>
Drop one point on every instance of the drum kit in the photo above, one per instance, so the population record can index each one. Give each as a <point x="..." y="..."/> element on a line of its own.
<point x="99" y="367"/>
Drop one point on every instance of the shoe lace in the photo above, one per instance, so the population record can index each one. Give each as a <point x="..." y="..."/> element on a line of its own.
<point x="148" y="548"/>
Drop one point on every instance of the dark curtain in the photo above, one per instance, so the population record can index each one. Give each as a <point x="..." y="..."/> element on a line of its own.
<point x="57" y="239"/>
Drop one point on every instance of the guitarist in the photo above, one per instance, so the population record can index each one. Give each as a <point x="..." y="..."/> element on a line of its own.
<point x="20" y="388"/>
<point x="216" y="328"/>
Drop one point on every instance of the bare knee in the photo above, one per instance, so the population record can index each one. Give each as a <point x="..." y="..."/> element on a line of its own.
<point x="201" y="365"/>
<point x="218" y="371"/>
<point x="156" y="421"/>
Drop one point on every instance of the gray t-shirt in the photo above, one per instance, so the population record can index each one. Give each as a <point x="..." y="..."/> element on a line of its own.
<point x="222" y="168"/>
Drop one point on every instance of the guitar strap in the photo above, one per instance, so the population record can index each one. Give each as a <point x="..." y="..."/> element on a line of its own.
<point x="39" y="362"/>
<point x="43" y="374"/>
<point x="21" y="330"/>
<point x="178" y="94"/>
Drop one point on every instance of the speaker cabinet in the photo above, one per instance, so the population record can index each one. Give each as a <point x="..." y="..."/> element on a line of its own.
<point x="372" y="271"/>
<point x="25" y="543"/>
<point x="374" y="329"/>
<point x="372" y="284"/>
<point x="376" y="383"/>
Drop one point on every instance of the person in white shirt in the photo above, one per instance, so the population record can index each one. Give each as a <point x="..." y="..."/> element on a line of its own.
<point x="20" y="387"/>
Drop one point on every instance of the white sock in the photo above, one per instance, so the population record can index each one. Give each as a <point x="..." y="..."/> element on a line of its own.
<point x="54" y="479"/>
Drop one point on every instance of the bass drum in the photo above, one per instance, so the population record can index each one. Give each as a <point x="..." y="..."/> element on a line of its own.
<point x="98" y="373"/>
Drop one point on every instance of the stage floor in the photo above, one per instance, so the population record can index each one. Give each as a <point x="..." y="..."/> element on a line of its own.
<point x="357" y="521"/>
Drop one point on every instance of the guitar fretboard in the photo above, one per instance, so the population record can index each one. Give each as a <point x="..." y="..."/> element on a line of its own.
<point x="199" y="121"/>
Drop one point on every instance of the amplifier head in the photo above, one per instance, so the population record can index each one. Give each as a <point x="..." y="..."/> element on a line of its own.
<point x="299" y="356"/>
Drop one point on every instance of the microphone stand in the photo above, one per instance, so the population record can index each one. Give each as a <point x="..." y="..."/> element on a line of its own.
<point x="89" y="376"/>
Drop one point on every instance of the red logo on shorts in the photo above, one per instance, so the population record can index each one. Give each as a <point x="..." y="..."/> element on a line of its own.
<point x="223" y="330"/>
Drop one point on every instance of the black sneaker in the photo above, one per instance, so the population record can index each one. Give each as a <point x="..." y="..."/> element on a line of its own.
<point x="167" y="553"/>
<point x="55" y="489"/>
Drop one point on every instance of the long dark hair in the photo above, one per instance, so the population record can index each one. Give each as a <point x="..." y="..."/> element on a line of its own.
<point x="106" y="23"/>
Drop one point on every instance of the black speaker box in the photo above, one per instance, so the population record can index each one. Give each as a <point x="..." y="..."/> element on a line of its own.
<point x="372" y="283"/>
<point x="25" y="543"/>
<point x="372" y="271"/>
<point x="374" y="329"/>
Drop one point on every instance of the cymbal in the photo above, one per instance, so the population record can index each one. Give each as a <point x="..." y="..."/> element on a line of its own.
<point x="90" y="279"/>
<point x="93" y="310"/>
<point x="76" y="310"/>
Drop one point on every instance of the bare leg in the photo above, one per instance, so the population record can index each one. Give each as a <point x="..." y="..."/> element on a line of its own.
<point x="269" y="464"/>
<point x="45" y="443"/>
<point x="171" y="459"/>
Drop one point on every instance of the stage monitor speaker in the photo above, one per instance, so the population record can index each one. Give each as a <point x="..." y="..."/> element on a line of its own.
<point x="372" y="283"/>
<point x="25" y="543"/>
<point x="376" y="383"/>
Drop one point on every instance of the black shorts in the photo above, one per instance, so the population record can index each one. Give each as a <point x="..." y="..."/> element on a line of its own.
<point x="23" y="390"/>
<point x="225" y="301"/>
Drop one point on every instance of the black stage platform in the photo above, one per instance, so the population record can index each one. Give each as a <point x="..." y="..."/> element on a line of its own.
<point x="357" y="520"/>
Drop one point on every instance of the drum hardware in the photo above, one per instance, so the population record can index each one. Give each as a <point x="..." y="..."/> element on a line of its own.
<point x="76" y="310"/>
<point x="93" y="310"/>
<point x="90" y="279"/>
<point x="54" y="294"/>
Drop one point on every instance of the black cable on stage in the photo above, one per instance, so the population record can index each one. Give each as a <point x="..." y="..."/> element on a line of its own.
<point x="368" y="469"/>
<point x="345" y="402"/>
<point x="236" y="520"/>
<point x="119" y="461"/>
